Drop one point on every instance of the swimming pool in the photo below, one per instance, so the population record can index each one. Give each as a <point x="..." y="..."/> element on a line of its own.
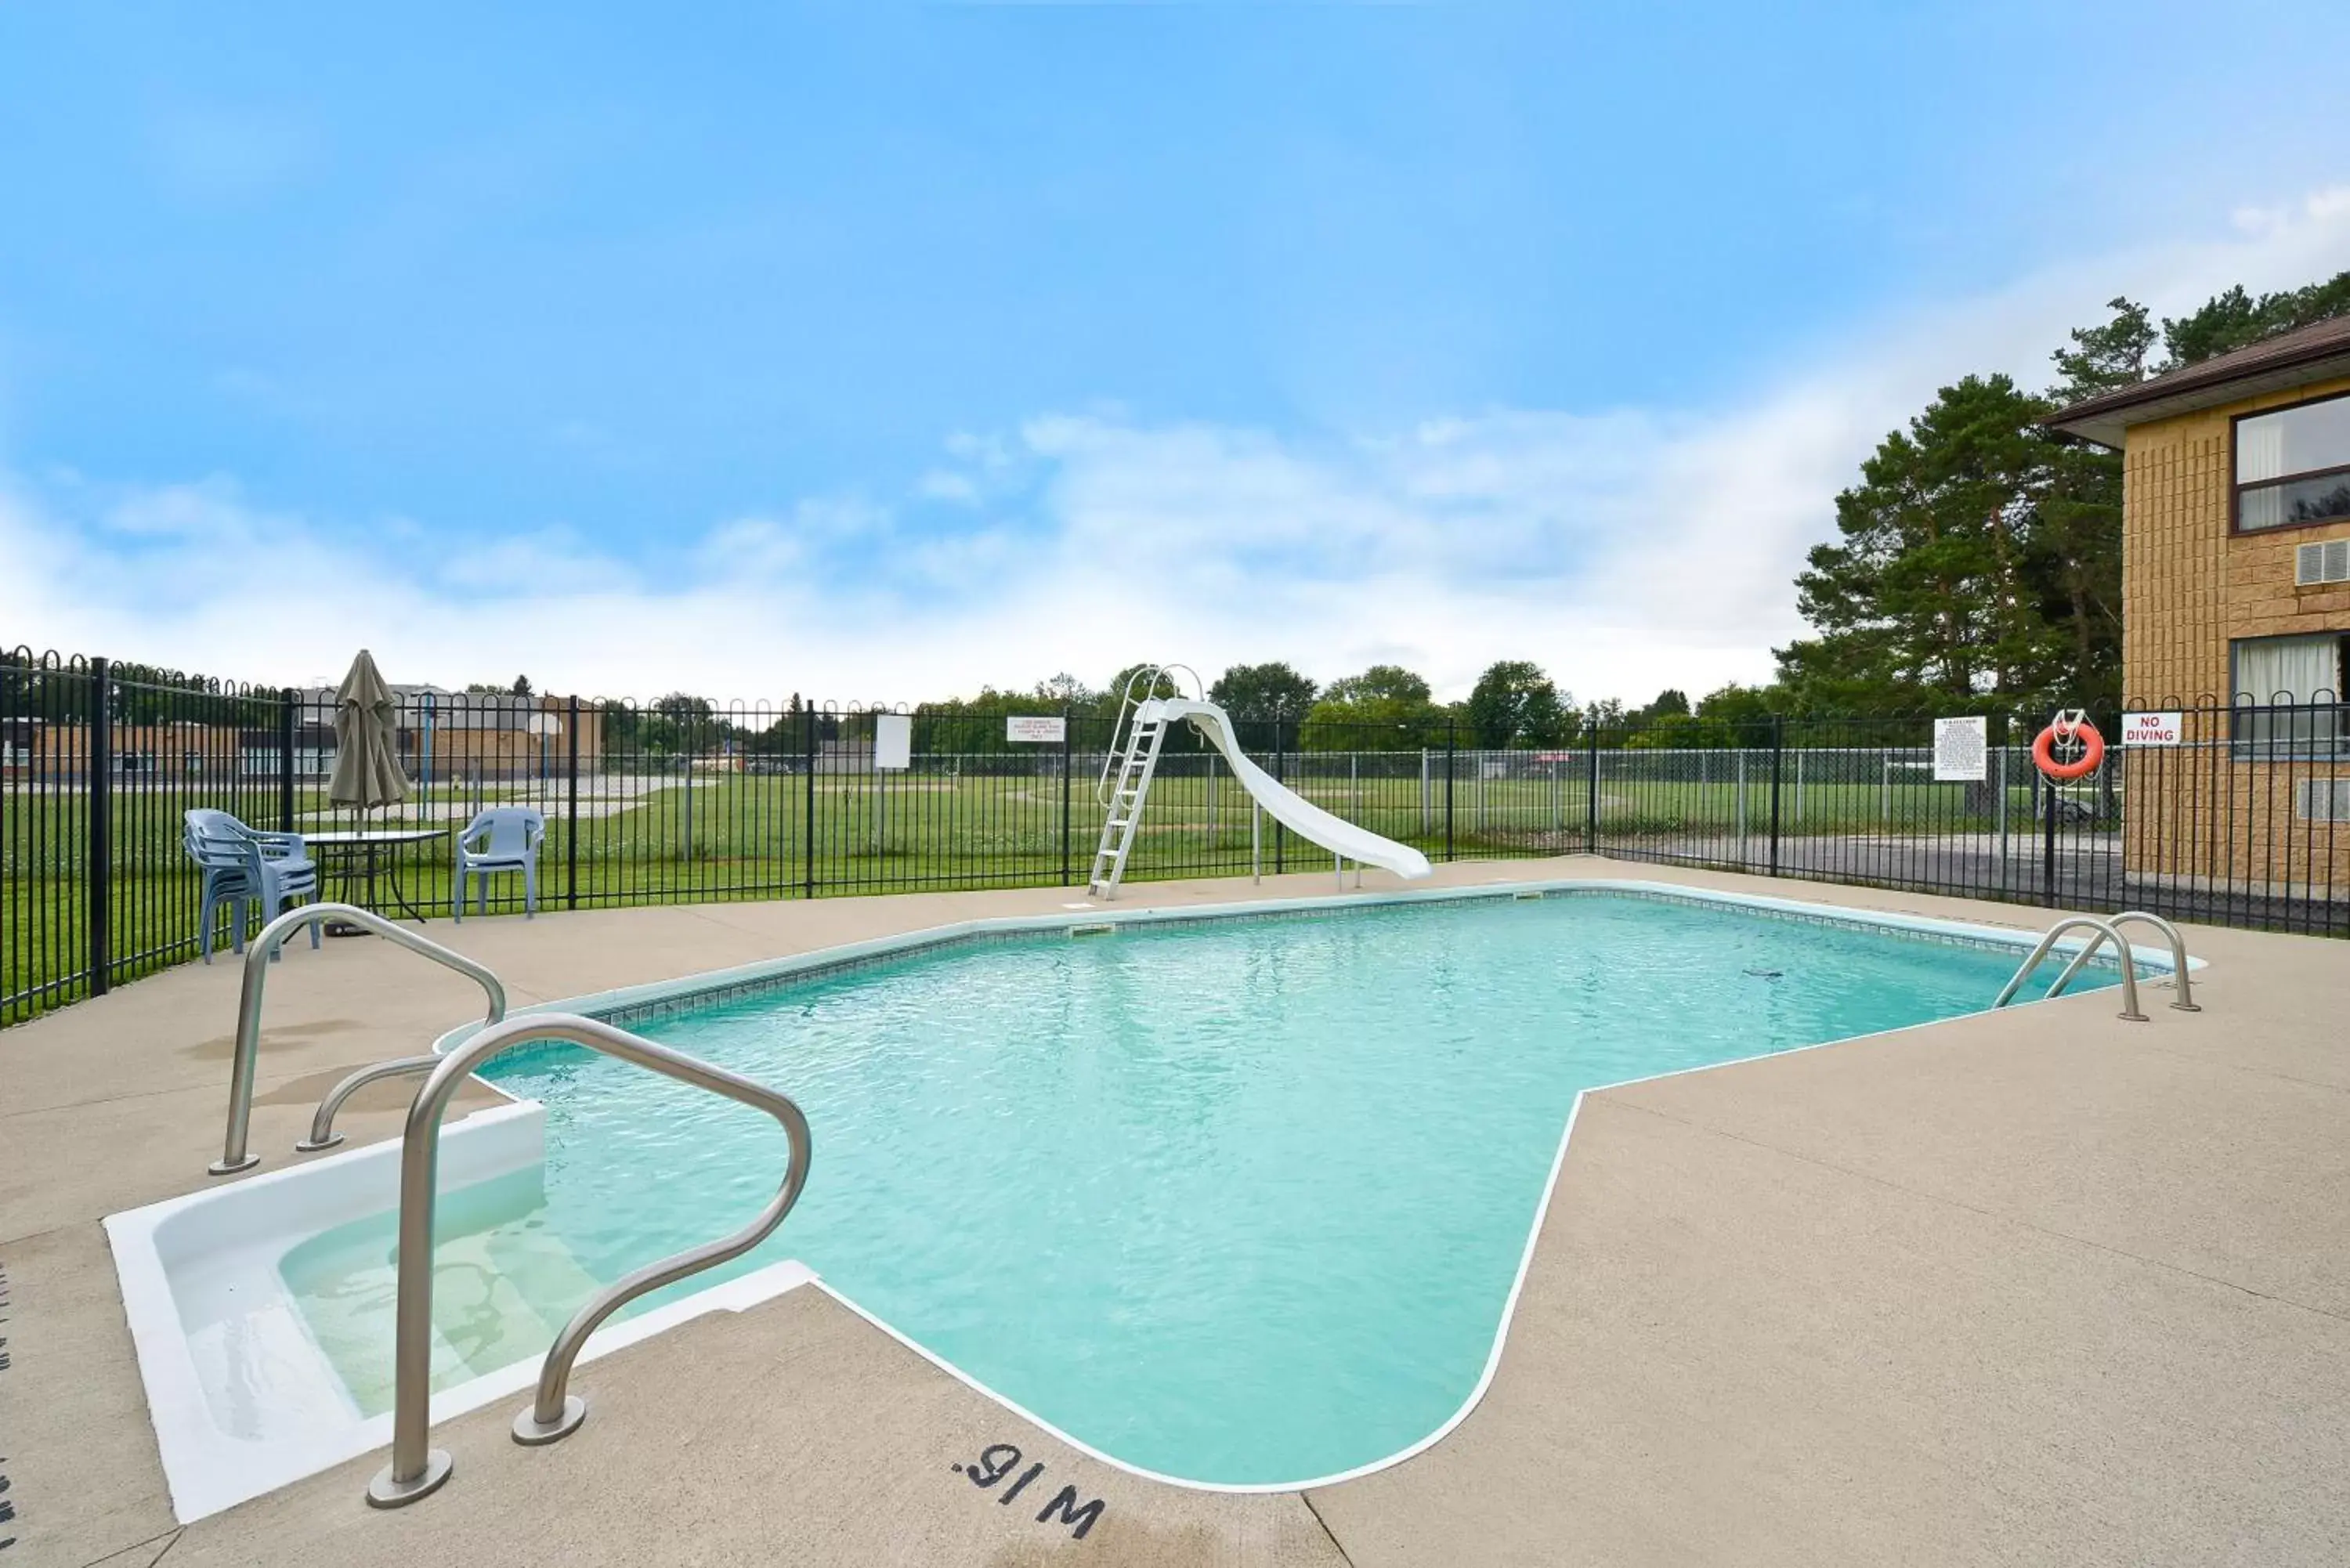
<point x="1237" y="1202"/>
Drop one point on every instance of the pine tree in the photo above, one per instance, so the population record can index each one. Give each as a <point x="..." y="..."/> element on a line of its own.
<point x="1931" y="597"/>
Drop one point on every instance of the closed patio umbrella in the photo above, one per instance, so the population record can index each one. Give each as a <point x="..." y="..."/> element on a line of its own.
<point x="367" y="743"/>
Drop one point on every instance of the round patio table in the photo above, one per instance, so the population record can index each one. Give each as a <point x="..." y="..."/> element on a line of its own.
<point x="358" y="850"/>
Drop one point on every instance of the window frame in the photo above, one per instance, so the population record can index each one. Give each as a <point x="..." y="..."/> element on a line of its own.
<point x="2247" y="747"/>
<point x="2236" y="487"/>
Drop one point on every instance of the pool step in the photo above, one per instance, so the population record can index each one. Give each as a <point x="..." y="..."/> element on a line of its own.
<point x="499" y="1296"/>
<point x="545" y="1273"/>
<point x="478" y="1311"/>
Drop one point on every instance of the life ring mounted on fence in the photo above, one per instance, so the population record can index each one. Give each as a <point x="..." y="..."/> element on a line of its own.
<point x="2072" y="730"/>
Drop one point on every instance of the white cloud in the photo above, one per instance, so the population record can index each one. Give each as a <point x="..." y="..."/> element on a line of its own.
<point x="1625" y="549"/>
<point x="942" y="484"/>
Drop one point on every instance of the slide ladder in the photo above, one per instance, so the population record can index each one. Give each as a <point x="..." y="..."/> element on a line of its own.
<point x="1125" y="785"/>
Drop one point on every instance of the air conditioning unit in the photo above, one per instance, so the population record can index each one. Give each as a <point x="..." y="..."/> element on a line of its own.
<point x="2316" y="564"/>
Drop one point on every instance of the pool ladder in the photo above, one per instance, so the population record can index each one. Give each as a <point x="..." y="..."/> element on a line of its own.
<point x="417" y="1468"/>
<point x="2104" y="931"/>
<point x="234" y="1155"/>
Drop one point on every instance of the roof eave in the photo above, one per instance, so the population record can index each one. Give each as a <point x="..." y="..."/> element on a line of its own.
<point x="2107" y="419"/>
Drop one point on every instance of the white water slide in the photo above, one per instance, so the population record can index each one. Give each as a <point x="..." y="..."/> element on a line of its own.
<point x="1133" y="760"/>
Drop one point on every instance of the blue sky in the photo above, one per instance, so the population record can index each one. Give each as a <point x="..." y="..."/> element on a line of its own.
<point x="874" y="349"/>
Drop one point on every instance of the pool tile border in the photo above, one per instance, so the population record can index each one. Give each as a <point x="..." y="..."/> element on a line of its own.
<point x="627" y="1009"/>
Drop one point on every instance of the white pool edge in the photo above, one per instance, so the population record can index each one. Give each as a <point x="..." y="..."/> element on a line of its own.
<point x="209" y="1471"/>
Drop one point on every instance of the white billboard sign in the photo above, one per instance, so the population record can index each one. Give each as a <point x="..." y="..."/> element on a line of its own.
<point x="1963" y="750"/>
<point x="2152" y="729"/>
<point x="893" y="741"/>
<point x="1023" y="727"/>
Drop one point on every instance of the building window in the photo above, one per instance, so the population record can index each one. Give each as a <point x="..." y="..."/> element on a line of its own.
<point x="2292" y="465"/>
<point x="2289" y="694"/>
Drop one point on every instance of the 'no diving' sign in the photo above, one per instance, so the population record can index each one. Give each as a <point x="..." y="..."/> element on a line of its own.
<point x="2151" y="729"/>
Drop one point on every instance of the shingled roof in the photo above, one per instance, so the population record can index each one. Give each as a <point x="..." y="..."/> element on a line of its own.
<point x="2312" y="353"/>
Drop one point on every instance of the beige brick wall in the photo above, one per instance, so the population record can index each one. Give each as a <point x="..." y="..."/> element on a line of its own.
<point x="2189" y="585"/>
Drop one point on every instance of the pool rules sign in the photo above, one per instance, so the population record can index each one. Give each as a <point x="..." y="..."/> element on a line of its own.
<point x="2152" y="729"/>
<point x="1962" y="750"/>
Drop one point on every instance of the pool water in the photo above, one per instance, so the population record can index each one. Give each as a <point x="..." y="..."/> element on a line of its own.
<point x="1234" y="1201"/>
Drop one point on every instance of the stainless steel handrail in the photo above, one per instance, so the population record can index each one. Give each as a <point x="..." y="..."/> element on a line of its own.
<point x="2129" y="1013"/>
<point x="2186" y="1002"/>
<point x="322" y="1121"/>
<point x="417" y="1467"/>
<point x="233" y="1156"/>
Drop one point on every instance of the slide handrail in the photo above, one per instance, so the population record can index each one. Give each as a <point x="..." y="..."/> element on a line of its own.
<point x="234" y="1153"/>
<point x="417" y="1468"/>
<point x="2104" y="929"/>
<point x="1146" y="678"/>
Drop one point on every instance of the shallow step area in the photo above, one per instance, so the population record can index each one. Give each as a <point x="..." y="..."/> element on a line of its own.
<point x="499" y="1296"/>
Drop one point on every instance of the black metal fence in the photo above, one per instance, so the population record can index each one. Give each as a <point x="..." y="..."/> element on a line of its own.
<point x="2245" y="819"/>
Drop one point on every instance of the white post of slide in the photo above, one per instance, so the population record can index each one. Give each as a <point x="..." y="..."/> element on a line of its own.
<point x="1256" y="842"/>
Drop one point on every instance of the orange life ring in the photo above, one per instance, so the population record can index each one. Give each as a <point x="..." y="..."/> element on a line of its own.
<point x="2092" y="750"/>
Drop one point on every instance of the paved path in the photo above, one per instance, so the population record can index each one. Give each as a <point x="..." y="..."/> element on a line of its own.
<point x="2043" y="1287"/>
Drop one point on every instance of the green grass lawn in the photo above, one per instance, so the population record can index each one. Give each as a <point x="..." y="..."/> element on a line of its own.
<point x="732" y="835"/>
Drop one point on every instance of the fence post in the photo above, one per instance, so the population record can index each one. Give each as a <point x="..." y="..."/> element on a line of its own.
<point x="285" y="700"/>
<point x="1591" y="799"/>
<point x="808" y="836"/>
<point x="1065" y="720"/>
<point x="571" y="807"/>
<point x="2048" y="842"/>
<point x="1999" y="807"/>
<point x="99" y="866"/>
<point x="1742" y="813"/>
<point x="1778" y="752"/>
<point x="1451" y="750"/>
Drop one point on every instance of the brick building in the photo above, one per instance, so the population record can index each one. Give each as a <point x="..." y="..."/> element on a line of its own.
<point x="2236" y="608"/>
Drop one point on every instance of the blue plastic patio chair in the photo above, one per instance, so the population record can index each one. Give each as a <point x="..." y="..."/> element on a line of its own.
<point x="508" y="840"/>
<point x="242" y="865"/>
<point x="221" y="859"/>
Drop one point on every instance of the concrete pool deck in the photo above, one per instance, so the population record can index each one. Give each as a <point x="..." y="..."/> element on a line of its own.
<point x="2039" y="1287"/>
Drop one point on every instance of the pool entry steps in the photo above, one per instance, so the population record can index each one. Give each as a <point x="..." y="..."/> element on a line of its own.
<point x="1132" y="761"/>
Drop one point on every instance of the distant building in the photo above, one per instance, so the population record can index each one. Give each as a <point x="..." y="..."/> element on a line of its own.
<point x="489" y="737"/>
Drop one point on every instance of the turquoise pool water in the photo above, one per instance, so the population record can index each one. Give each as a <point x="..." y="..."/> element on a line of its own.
<point x="1238" y="1202"/>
